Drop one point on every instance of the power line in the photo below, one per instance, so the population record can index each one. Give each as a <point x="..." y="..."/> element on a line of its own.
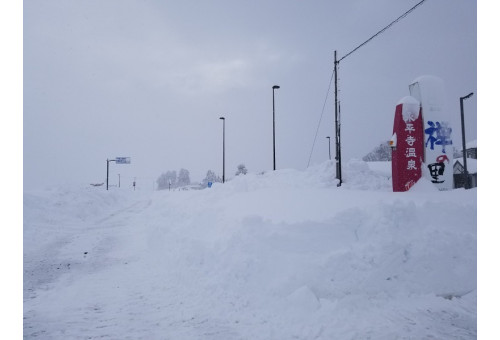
<point x="336" y="63"/>
<point x="382" y="30"/>
<point x="337" y="109"/>
<point x="320" y="118"/>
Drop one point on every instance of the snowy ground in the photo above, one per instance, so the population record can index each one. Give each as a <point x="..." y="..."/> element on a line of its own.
<point x="281" y="255"/>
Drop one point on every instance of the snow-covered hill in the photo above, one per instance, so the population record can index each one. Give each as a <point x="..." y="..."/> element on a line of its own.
<point x="280" y="255"/>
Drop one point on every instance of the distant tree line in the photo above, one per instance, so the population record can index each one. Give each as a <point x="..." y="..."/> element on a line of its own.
<point x="170" y="179"/>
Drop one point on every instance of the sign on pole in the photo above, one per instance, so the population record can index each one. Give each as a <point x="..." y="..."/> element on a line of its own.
<point x="118" y="160"/>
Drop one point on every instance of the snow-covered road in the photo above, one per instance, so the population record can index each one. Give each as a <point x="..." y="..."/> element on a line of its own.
<point x="282" y="255"/>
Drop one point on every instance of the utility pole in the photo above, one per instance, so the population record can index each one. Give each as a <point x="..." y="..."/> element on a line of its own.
<point x="338" y="157"/>
<point x="337" y="128"/>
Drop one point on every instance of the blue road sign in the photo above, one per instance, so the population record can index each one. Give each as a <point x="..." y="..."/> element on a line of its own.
<point x="122" y="160"/>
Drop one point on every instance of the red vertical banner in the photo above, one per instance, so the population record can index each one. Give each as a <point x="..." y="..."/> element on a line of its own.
<point x="407" y="144"/>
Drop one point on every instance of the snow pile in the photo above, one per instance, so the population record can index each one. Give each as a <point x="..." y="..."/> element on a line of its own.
<point x="280" y="255"/>
<point x="423" y="185"/>
<point x="367" y="175"/>
<point x="320" y="176"/>
<point x="411" y="108"/>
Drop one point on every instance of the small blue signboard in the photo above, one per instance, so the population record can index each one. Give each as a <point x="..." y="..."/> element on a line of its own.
<point x="122" y="160"/>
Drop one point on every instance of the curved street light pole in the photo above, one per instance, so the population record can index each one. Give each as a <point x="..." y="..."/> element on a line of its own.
<point x="274" y="131"/>
<point x="107" y="171"/>
<point x="223" y="149"/>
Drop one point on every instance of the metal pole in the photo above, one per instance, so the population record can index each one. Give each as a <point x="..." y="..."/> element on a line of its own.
<point x="274" y="138"/>
<point x="118" y="180"/>
<point x="337" y="130"/>
<point x="464" y="151"/>
<point x="274" y="131"/>
<point x="340" y="146"/>
<point x="223" y="149"/>
<point x="107" y="170"/>
<point x="107" y="173"/>
<point x="329" y="152"/>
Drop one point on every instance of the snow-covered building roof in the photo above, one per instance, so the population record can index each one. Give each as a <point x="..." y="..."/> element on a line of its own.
<point x="471" y="164"/>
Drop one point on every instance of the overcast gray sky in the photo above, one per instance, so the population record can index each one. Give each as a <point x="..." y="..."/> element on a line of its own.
<point x="150" y="79"/>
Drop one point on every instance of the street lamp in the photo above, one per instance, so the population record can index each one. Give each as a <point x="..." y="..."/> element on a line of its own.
<point x="329" y="152"/>
<point x="107" y="171"/>
<point x="274" y="132"/>
<point x="464" y="152"/>
<point x="223" y="149"/>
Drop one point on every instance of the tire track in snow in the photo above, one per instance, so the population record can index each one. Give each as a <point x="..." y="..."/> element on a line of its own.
<point x="79" y="248"/>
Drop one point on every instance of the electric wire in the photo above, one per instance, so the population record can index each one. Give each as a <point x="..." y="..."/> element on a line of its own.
<point x="382" y="30"/>
<point x="320" y="118"/>
<point x="338" y="63"/>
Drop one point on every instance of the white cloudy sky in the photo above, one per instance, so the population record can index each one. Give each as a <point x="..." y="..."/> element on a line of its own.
<point x="150" y="79"/>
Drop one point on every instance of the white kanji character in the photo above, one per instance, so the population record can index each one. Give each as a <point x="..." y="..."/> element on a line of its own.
<point x="411" y="117"/>
<point x="409" y="127"/>
<point x="410" y="140"/>
<point x="410" y="152"/>
<point x="411" y="165"/>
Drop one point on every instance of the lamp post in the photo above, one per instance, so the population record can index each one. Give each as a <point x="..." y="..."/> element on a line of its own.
<point x="107" y="171"/>
<point x="464" y="152"/>
<point x="274" y="131"/>
<point x="329" y="152"/>
<point x="223" y="149"/>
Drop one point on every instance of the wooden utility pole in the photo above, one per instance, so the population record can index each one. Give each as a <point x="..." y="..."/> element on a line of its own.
<point x="338" y="157"/>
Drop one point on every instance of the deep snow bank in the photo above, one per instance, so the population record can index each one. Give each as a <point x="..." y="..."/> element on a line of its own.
<point x="280" y="255"/>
